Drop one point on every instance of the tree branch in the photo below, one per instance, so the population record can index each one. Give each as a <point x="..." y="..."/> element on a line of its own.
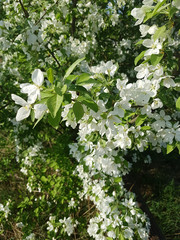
<point x="26" y="14"/>
<point x="52" y="54"/>
<point x="46" y="12"/>
<point x="73" y="29"/>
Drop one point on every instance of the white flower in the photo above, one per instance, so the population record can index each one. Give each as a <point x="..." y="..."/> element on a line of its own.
<point x="156" y="103"/>
<point x="33" y="90"/>
<point x="144" y="29"/>
<point x="154" y="46"/>
<point x="92" y="229"/>
<point x="128" y="233"/>
<point x="24" y="111"/>
<point x="139" y="13"/>
<point x="111" y="234"/>
<point x="142" y="70"/>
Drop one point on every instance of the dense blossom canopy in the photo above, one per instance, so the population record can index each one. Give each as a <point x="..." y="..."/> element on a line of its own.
<point x="119" y="109"/>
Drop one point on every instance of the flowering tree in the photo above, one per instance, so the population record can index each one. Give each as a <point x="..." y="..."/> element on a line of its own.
<point x="117" y="106"/>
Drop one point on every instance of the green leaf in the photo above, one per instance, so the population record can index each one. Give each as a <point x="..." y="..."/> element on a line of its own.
<point x="50" y="75"/>
<point x="38" y="120"/>
<point x="32" y="115"/>
<point x="78" y="111"/>
<point x="117" y="179"/>
<point x="139" y="42"/>
<point x="64" y="89"/>
<point x="170" y="148"/>
<point x="70" y="79"/>
<point x="83" y="78"/>
<point x="71" y="68"/>
<point x="156" y="58"/>
<point x="54" y="103"/>
<point x="148" y="16"/>
<point x="141" y="55"/>
<point x="159" y="32"/>
<point x="178" y="104"/>
<point x="146" y="128"/>
<point x="140" y="120"/>
<point x="78" y="89"/>
<point x="88" y="101"/>
<point x="44" y="179"/>
<point x="67" y="97"/>
<point x="178" y="146"/>
<point x="54" y="122"/>
<point x="158" y="5"/>
<point x="121" y="237"/>
<point x="46" y="93"/>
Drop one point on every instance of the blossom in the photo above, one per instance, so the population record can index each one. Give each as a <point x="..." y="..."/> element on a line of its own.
<point x="145" y="29"/>
<point x="154" y="46"/>
<point x="142" y="70"/>
<point x="25" y="110"/>
<point x="139" y="13"/>
<point x="33" y="90"/>
<point x="156" y="103"/>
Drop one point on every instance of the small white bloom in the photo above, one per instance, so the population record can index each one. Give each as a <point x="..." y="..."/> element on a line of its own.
<point x="154" y="46"/>
<point x="33" y="90"/>
<point x="156" y="104"/>
<point x="24" y="111"/>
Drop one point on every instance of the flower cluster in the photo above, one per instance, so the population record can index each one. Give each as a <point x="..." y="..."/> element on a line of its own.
<point x="113" y="113"/>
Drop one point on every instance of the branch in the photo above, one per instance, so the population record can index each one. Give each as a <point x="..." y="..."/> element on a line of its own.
<point x="52" y="54"/>
<point x="73" y="18"/>
<point x="26" y="14"/>
<point x="46" y="12"/>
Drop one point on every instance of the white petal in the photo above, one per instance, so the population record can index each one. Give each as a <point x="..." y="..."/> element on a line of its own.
<point x="39" y="110"/>
<point x="144" y="29"/>
<point x="23" y="113"/>
<point x="27" y="88"/>
<point x="18" y="100"/>
<point x="148" y="43"/>
<point x="37" y="77"/>
<point x="32" y="97"/>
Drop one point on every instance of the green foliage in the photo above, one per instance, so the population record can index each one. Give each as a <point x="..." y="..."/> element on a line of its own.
<point x="166" y="208"/>
<point x="78" y="111"/>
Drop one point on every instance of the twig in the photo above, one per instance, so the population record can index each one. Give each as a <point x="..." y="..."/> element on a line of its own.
<point x="171" y="235"/>
<point x="52" y="54"/>
<point x="73" y="18"/>
<point x="131" y="187"/>
<point x="46" y="12"/>
<point x="26" y="14"/>
<point x="89" y="210"/>
<point x="4" y="106"/>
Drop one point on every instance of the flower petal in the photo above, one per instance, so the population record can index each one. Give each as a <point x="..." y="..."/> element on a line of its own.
<point x="18" y="100"/>
<point x="33" y="96"/>
<point x="23" y="113"/>
<point x="39" y="110"/>
<point x="27" y="88"/>
<point x="37" y="77"/>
